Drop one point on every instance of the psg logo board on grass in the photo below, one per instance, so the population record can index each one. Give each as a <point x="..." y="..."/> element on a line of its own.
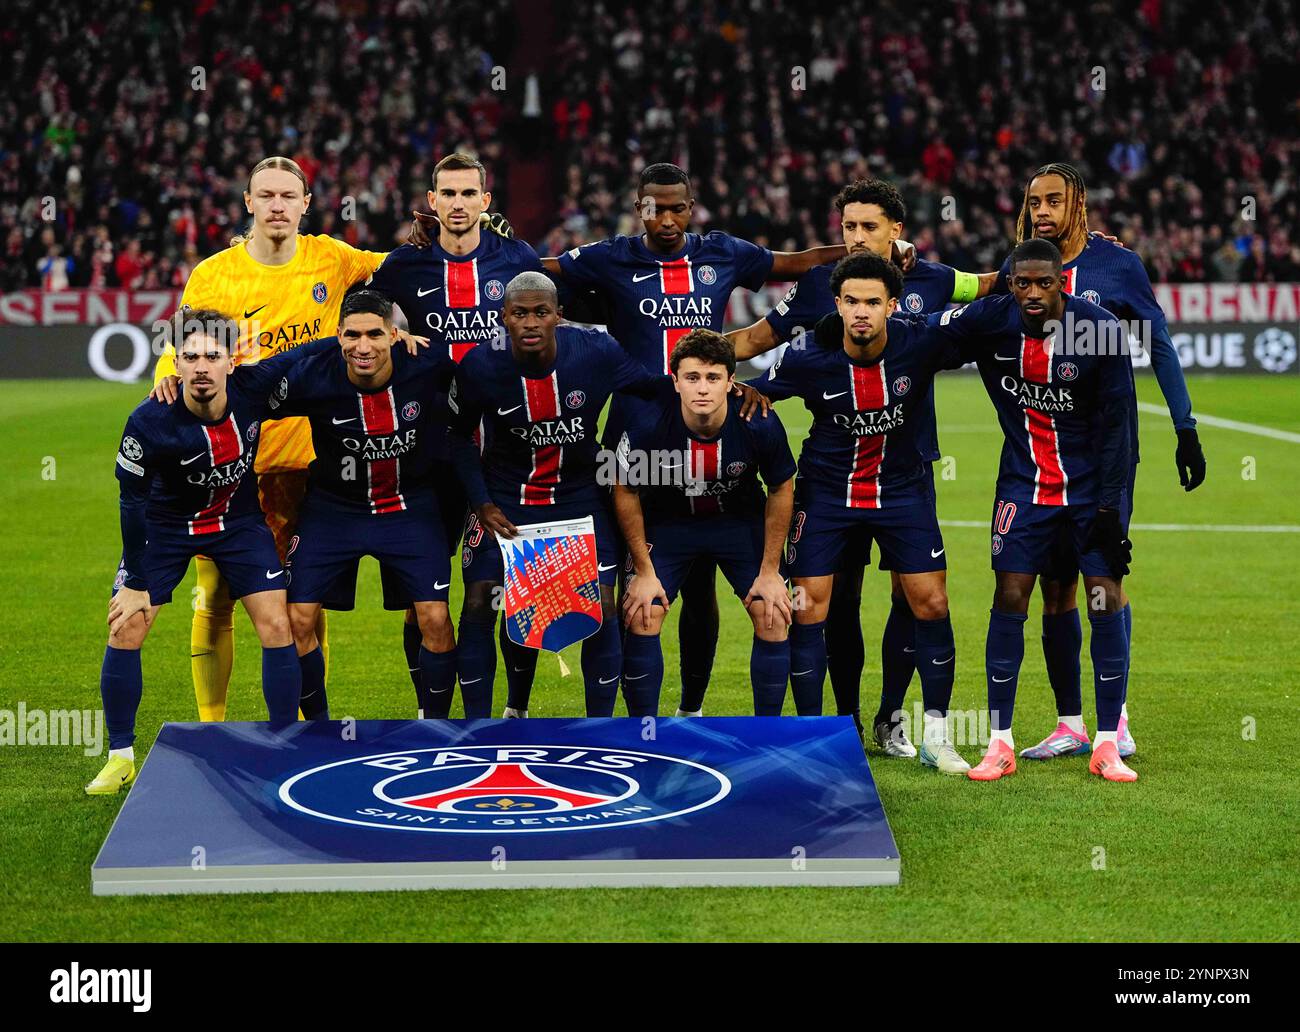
<point x="553" y="803"/>
<point x="552" y="584"/>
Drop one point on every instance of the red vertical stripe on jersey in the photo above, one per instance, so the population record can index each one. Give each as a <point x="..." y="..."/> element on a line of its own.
<point x="542" y="402"/>
<point x="461" y="279"/>
<point x="224" y="445"/>
<point x="706" y="467"/>
<point x="676" y="277"/>
<point x="1044" y="444"/>
<point x="1070" y="277"/>
<point x="383" y="476"/>
<point x="671" y="337"/>
<point x="869" y="394"/>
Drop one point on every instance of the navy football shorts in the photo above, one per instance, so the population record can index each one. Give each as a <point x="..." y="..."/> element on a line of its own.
<point x="1043" y="539"/>
<point x="480" y="556"/>
<point x="244" y="553"/>
<point x="733" y="543"/>
<point x="325" y="553"/>
<point x="823" y="534"/>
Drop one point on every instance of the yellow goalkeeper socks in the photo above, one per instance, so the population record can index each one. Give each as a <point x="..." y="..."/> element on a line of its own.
<point x="212" y="642"/>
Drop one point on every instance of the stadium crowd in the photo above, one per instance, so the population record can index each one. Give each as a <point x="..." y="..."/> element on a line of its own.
<point x="1182" y="116"/>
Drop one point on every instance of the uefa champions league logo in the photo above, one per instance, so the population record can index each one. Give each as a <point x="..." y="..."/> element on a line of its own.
<point x="511" y="789"/>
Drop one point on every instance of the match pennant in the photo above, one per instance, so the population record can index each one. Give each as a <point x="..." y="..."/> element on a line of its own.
<point x="552" y="585"/>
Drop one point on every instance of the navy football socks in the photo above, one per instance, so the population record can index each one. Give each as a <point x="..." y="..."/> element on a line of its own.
<point x="643" y="673"/>
<point x="120" y="687"/>
<point x="769" y="670"/>
<point x="411" y="639"/>
<point x="437" y="679"/>
<point x="1109" y="648"/>
<point x="313" y="701"/>
<point x="897" y="661"/>
<point x="602" y="662"/>
<point x="807" y="667"/>
<point x="1062" y="644"/>
<point x="521" y="670"/>
<point x="476" y="666"/>
<point x="1004" y="651"/>
<point x="936" y="659"/>
<point x="281" y="683"/>
<point x="845" y="653"/>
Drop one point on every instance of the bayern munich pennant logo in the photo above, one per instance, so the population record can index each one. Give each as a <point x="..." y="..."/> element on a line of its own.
<point x="510" y="789"/>
<point x="410" y="410"/>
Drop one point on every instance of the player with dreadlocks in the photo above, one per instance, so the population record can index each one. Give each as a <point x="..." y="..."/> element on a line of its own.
<point x="1099" y="270"/>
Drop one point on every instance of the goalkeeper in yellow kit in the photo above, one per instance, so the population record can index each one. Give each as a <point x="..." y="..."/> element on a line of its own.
<point x="285" y="290"/>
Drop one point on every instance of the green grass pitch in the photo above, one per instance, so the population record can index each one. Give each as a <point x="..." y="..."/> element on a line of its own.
<point x="1203" y="847"/>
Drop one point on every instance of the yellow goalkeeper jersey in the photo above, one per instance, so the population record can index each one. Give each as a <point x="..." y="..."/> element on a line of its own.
<point x="278" y="307"/>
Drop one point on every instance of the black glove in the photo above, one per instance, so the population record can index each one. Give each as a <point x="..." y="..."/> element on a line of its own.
<point x="1107" y="537"/>
<point x="497" y="223"/>
<point x="1190" y="459"/>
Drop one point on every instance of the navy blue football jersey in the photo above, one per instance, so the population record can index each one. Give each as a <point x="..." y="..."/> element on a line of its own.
<point x="681" y="474"/>
<point x="455" y="299"/>
<point x="375" y="449"/>
<point x="541" y="423"/>
<point x="1115" y="278"/>
<point x="1050" y="403"/>
<point x="867" y="447"/>
<point x="654" y="301"/>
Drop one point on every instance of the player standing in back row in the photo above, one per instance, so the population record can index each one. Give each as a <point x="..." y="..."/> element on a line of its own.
<point x="658" y="286"/>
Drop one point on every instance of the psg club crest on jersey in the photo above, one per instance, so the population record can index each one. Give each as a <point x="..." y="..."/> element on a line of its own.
<point x="512" y="789"/>
<point x="902" y="385"/>
<point x="913" y="303"/>
<point x="410" y="410"/>
<point x="997" y="544"/>
<point x="707" y="274"/>
<point x="552" y="584"/>
<point x="1093" y="296"/>
<point x="251" y="432"/>
<point x="1067" y="370"/>
<point x="319" y="293"/>
<point x="575" y="399"/>
<point x="494" y="290"/>
<point x="735" y="469"/>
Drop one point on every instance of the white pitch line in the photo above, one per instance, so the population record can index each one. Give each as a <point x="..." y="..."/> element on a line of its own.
<point x="1227" y="424"/>
<point x="1215" y="528"/>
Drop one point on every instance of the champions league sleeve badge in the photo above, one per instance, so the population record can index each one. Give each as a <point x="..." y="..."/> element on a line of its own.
<point x="552" y="584"/>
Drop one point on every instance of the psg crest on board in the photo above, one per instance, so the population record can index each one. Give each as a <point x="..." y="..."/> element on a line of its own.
<point x="552" y="584"/>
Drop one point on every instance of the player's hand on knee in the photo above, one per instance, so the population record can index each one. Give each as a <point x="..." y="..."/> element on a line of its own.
<point x="643" y="590"/>
<point x="751" y="400"/>
<point x="124" y="604"/>
<point x="166" y="389"/>
<point x="772" y="591"/>
<point x="494" y="521"/>
<point x="412" y="342"/>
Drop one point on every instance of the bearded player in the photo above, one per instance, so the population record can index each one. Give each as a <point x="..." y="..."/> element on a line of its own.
<point x="658" y="286"/>
<point x="1101" y="271"/>
<point x="872" y="213"/>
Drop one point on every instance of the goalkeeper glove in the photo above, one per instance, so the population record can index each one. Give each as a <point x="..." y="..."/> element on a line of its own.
<point x="1190" y="459"/>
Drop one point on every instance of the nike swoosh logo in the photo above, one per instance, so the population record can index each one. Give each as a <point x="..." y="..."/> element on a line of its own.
<point x="439" y="587"/>
<point x="421" y="293"/>
<point x="272" y="576"/>
<point x="644" y="276"/>
<point x="340" y="422"/>
<point x="637" y="678"/>
<point x="474" y="681"/>
<point x="249" y="315"/>
<point x="1115" y="678"/>
<point x="519" y="669"/>
<point x="186" y="462"/>
<point x="934" y="554"/>
<point x="602" y="568"/>
<point x="800" y="673"/>
<point x="608" y="680"/>
<point x="831" y="397"/>
<point x="1006" y="358"/>
<point x="507" y="411"/>
<point x="906" y="649"/>
<point x="1002" y="680"/>
<point x="944" y="662"/>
